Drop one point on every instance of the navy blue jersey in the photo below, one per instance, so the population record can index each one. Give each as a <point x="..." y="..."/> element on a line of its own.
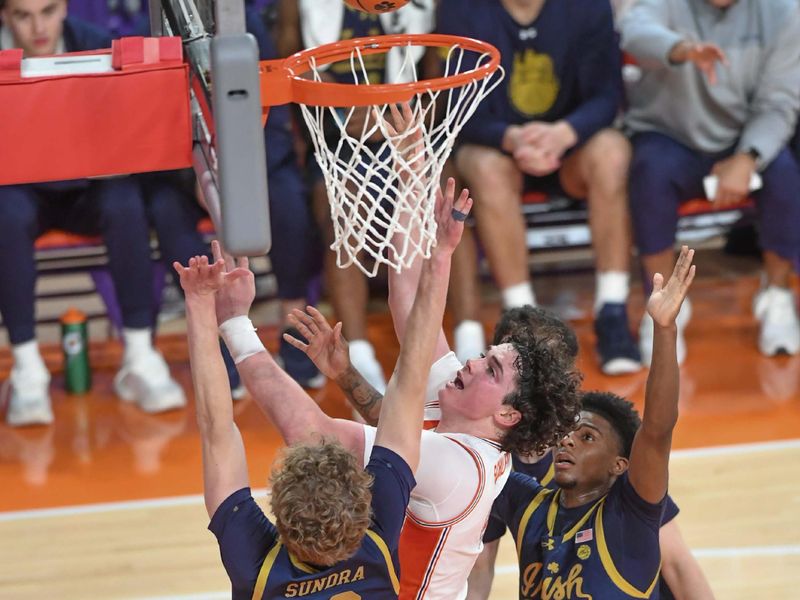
<point x="356" y="24"/>
<point x="541" y="471"/>
<point x="563" y="65"/>
<point x="259" y="565"/>
<point x="607" y="549"/>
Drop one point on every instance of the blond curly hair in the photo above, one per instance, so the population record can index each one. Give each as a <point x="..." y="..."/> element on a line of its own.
<point x="321" y="499"/>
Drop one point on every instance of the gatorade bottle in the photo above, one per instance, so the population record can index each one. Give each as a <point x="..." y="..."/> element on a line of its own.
<point x="74" y="342"/>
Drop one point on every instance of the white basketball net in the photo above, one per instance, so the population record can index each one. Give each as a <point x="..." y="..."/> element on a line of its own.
<point x="382" y="187"/>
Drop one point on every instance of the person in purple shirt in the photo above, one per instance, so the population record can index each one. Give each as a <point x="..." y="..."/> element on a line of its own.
<point x="547" y="127"/>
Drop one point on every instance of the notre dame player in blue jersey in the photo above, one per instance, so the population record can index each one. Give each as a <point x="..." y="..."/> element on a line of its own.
<point x="597" y="535"/>
<point x="681" y="575"/>
<point x="337" y="526"/>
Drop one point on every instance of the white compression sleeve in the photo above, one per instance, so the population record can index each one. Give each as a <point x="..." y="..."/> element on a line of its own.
<point x="241" y="338"/>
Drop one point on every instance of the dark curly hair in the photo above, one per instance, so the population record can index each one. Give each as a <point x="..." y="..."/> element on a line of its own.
<point x="547" y="396"/>
<point x="322" y="502"/>
<point x="533" y="321"/>
<point x="621" y="415"/>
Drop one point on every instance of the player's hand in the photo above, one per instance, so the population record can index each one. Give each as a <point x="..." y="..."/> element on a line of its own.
<point x="325" y="346"/>
<point x="203" y="279"/>
<point x="450" y="215"/>
<point x="235" y="297"/>
<point x="405" y="133"/>
<point x="734" y="175"/>
<point x="666" y="300"/>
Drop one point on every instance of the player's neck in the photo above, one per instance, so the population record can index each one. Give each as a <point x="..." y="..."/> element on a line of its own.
<point x="580" y="495"/>
<point x="458" y="424"/>
<point x="523" y="12"/>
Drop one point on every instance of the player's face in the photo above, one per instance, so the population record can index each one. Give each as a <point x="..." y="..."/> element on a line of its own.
<point x="721" y="3"/>
<point x="481" y="385"/>
<point x="586" y="457"/>
<point x="36" y="25"/>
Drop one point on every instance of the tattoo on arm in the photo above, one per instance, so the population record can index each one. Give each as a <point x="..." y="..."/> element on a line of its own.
<point x="361" y="395"/>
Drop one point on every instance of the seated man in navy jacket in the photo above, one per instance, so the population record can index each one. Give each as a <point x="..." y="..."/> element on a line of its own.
<point x="547" y="127"/>
<point x="112" y="208"/>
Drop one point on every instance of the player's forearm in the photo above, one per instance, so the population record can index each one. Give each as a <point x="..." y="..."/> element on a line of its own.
<point x="293" y="412"/>
<point x="209" y="377"/>
<point x="661" y="396"/>
<point x="364" y="398"/>
<point x="422" y="331"/>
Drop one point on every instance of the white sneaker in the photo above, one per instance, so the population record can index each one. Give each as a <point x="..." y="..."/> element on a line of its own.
<point x="646" y="334"/>
<point x="776" y="308"/>
<point x="147" y="382"/>
<point x="470" y="340"/>
<point x="28" y="398"/>
<point x="362" y="357"/>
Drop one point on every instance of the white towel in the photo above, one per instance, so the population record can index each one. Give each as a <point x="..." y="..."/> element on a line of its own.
<point x="321" y="23"/>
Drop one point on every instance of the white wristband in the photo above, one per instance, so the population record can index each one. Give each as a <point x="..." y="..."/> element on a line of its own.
<point x="241" y="338"/>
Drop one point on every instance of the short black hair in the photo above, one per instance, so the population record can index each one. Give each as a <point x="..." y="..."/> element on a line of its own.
<point x="547" y="396"/>
<point x="621" y="415"/>
<point x="541" y="324"/>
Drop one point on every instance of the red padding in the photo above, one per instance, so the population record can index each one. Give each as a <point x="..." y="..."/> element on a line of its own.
<point x="77" y="126"/>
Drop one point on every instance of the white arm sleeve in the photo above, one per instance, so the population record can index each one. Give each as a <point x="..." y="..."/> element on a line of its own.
<point x="442" y="371"/>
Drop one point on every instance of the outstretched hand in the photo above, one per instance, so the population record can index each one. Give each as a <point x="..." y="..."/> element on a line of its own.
<point x="326" y="346"/>
<point x="405" y="132"/>
<point x="666" y="300"/>
<point x="201" y="278"/>
<point x="448" y="208"/>
<point x="237" y="293"/>
<point x="705" y="57"/>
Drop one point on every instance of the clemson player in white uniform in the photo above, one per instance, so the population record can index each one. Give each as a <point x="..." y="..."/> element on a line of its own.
<point x="511" y="400"/>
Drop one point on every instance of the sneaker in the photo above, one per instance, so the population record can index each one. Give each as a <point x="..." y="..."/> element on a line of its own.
<point x="297" y="364"/>
<point x="780" y="328"/>
<point x="28" y="394"/>
<point x="470" y="340"/>
<point x="362" y="357"/>
<point x="646" y="334"/>
<point x="148" y="383"/>
<point x="615" y="346"/>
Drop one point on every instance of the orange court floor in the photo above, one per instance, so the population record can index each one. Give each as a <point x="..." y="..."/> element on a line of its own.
<point x="106" y="503"/>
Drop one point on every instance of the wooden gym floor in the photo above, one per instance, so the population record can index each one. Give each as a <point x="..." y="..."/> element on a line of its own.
<point x="106" y="502"/>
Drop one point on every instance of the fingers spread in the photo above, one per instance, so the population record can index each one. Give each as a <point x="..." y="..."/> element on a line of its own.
<point x="293" y="341"/>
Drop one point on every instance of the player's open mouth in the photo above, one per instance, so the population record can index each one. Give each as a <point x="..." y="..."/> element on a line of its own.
<point x="564" y="460"/>
<point x="458" y="383"/>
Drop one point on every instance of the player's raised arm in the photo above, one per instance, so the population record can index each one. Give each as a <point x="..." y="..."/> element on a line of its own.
<point x="403" y="285"/>
<point x="224" y="463"/>
<point x="649" y="460"/>
<point x="295" y="414"/>
<point x="401" y="416"/>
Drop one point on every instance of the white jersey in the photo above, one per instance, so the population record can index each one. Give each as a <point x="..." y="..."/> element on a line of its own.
<point x="458" y="478"/>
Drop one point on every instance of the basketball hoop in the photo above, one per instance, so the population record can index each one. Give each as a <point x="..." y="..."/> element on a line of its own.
<point x="381" y="183"/>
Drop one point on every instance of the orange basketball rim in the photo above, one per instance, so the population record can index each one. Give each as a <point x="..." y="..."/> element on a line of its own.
<point x="283" y="81"/>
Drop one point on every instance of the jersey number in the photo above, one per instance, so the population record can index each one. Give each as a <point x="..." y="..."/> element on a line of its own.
<point x="346" y="596"/>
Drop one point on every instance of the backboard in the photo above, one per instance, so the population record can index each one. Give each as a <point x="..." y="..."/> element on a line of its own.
<point x="228" y="152"/>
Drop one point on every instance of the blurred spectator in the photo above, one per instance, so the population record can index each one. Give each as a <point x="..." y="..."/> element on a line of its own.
<point x="111" y="207"/>
<point x="546" y="128"/>
<point x="174" y="214"/>
<point x="718" y="96"/>
<point x="306" y="23"/>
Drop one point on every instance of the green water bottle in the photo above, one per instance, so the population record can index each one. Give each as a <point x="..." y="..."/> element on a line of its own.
<point x="74" y="342"/>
